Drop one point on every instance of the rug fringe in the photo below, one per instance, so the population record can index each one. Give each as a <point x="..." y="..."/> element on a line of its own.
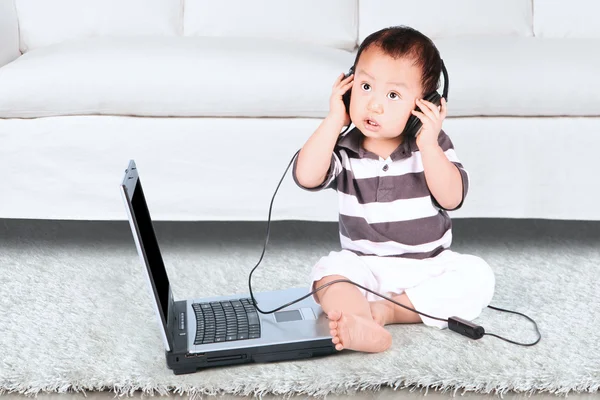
<point x="195" y="393"/>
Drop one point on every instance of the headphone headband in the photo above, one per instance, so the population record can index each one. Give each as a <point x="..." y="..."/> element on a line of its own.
<point x="446" y="84"/>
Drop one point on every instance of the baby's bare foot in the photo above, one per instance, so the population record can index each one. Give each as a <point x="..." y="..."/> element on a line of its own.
<point x="382" y="312"/>
<point x="357" y="333"/>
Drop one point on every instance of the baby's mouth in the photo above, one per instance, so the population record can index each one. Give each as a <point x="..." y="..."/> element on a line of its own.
<point x="371" y="122"/>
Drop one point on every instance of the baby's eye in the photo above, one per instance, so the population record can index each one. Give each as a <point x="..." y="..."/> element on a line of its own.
<point x="366" y="87"/>
<point x="393" y="95"/>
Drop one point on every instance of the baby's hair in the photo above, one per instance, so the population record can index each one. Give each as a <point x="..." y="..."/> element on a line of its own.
<point x="403" y="41"/>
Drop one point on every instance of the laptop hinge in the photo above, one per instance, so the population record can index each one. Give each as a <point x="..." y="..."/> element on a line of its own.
<point x="171" y="320"/>
<point x="178" y="326"/>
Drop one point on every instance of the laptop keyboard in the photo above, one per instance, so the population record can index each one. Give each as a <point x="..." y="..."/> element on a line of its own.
<point x="224" y="321"/>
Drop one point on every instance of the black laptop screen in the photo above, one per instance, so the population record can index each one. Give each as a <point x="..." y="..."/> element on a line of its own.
<point x="149" y="244"/>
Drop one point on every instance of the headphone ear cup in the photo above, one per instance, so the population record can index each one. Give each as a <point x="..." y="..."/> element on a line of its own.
<point x="346" y="96"/>
<point x="346" y="100"/>
<point x="414" y="124"/>
<point x="434" y="98"/>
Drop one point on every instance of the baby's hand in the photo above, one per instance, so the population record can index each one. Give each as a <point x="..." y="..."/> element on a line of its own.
<point x="337" y="109"/>
<point x="432" y="118"/>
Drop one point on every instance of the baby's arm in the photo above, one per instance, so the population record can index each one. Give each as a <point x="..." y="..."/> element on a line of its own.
<point x="314" y="159"/>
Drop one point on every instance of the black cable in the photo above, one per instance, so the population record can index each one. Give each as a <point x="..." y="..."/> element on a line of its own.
<point x="510" y="341"/>
<point x="320" y="287"/>
<point x="458" y="326"/>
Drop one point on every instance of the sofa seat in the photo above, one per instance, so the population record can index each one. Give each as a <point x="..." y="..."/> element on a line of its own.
<point x="203" y="77"/>
<point x="226" y="169"/>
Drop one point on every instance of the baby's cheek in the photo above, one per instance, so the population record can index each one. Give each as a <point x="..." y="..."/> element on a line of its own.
<point x="355" y="109"/>
<point x="399" y="122"/>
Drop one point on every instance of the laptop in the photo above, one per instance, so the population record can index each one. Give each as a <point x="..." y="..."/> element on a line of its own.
<point x="225" y="330"/>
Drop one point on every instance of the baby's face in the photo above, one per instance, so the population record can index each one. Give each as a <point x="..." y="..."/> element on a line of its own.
<point x="383" y="94"/>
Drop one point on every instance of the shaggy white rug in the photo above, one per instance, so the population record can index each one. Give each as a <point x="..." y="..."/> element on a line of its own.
<point x="75" y="312"/>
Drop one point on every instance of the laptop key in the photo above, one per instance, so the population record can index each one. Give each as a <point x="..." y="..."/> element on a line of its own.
<point x="230" y="337"/>
<point x="253" y="335"/>
<point x="242" y="336"/>
<point x="253" y="318"/>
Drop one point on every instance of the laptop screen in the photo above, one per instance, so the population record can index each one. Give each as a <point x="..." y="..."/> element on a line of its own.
<point x="148" y="245"/>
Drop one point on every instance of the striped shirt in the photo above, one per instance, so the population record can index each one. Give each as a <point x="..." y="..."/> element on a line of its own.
<point x="385" y="206"/>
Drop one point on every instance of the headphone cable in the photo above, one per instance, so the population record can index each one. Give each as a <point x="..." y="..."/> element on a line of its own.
<point x="456" y="324"/>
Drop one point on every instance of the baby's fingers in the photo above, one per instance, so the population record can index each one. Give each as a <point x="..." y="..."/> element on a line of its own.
<point x="338" y="80"/>
<point x="343" y="86"/>
<point x="444" y="110"/>
<point x="347" y="79"/>
<point x="342" y="77"/>
<point x="420" y="115"/>
<point x="348" y="83"/>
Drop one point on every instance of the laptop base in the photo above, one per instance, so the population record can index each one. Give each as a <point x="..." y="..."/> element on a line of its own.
<point x="185" y="363"/>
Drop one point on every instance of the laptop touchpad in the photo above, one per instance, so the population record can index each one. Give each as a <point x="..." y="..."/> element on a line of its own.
<point x="294" y="315"/>
<point x="287" y="316"/>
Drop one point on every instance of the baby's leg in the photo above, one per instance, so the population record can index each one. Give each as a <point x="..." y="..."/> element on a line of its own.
<point x="386" y="313"/>
<point x="463" y="287"/>
<point x="463" y="290"/>
<point x="351" y="323"/>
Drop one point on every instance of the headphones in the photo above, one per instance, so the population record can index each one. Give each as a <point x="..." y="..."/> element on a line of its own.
<point x="413" y="124"/>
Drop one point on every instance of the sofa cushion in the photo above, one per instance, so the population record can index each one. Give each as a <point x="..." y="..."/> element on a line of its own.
<point x="172" y="77"/>
<point x="247" y="78"/>
<point x="521" y="76"/>
<point x="559" y="18"/>
<point x="9" y="32"/>
<point x="443" y="18"/>
<point x="331" y="23"/>
<point x="44" y="22"/>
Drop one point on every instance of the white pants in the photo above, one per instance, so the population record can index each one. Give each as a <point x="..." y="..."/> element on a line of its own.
<point x="448" y="285"/>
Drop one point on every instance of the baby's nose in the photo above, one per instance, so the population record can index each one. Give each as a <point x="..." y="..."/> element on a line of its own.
<point x="375" y="107"/>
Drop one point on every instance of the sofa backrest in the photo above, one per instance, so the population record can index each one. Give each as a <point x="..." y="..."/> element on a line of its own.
<point x="332" y="23"/>
<point x="45" y="22"/>
<point x="443" y="18"/>
<point x="9" y="32"/>
<point x="566" y="19"/>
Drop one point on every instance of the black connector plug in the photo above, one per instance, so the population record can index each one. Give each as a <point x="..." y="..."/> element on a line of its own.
<point x="465" y="328"/>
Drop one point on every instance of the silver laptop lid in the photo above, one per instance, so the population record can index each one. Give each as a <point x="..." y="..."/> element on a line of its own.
<point x="148" y="250"/>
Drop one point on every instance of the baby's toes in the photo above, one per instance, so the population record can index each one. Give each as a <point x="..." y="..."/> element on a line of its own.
<point x="334" y="315"/>
<point x="333" y="325"/>
<point x="335" y="340"/>
<point x="339" y="347"/>
<point x="333" y="332"/>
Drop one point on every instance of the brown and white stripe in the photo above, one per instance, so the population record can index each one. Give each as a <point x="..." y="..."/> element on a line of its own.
<point x="385" y="206"/>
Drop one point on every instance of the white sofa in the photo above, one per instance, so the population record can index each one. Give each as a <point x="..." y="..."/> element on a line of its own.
<point x="212" y="99"/>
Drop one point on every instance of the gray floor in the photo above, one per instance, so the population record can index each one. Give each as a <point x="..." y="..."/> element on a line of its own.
<point x="486" y="230"/>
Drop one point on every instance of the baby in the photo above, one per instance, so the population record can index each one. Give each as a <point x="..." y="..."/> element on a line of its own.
<point x="394" y="190"/>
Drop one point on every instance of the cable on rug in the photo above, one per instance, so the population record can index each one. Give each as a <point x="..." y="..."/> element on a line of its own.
<point x="456" y="324"/>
